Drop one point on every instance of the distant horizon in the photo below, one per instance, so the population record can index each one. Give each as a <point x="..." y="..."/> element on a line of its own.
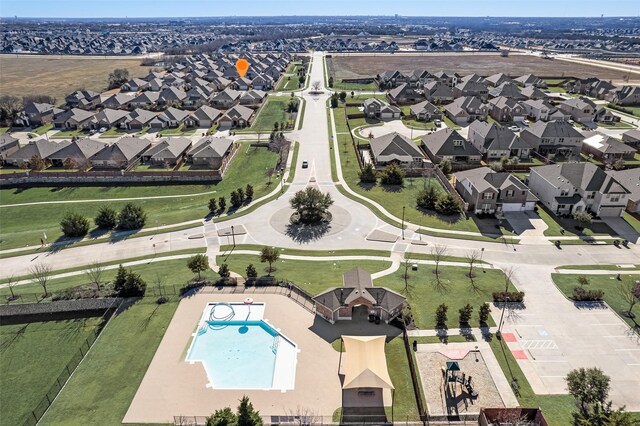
<point x="318" y="16"/>
<point x="143" y="9"/>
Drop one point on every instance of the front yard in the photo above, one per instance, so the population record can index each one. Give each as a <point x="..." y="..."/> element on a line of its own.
<point x="274" y="111"/>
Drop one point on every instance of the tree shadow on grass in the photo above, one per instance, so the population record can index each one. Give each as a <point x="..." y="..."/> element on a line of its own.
<point x="392" y="188"/>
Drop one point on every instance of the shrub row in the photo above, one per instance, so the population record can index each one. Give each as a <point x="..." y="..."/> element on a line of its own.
<point x="582" y="295"/>
<point x="508" y="296"/>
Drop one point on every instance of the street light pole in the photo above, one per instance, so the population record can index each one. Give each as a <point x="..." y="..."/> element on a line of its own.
<point x="504" y="306"/>
<point x="403" y="222"/>
<point x="233" y="235"/>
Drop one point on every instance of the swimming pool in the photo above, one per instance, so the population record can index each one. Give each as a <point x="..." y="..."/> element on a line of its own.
<point x="240" y="350"/>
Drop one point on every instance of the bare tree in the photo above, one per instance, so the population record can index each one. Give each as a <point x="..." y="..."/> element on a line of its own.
<point x="10" y="283"/>
<point x="438" y="252"/>
<point x="40" y="274"/>
<point x="472" y="257"/>
<point x="94" y="273"/>
<point x="630" y="293"/>
<point x="508" y="275"/>
<point x="316" y="86"/>
<point x="407" y="259"/>
<point x="303" y="416"/>
<point x="159" y="281"/>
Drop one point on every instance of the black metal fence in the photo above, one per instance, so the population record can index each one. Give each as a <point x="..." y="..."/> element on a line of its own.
<point x="41" y="408"/>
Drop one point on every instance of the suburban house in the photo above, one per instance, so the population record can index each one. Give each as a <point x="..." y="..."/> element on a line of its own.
<point x="471" y="88"/>
<point x="171" y="96"/>
<point x="41" y="148"/>
<point x="495" y="141"/>
<point x="225" y="99"/>
<point x="85" y="99"/>
<point x="466" y="109"/>
<point x="438" y="92"/>
<point x="117" y="101"/>
<point x="585" y="111"/>
<point x="252" y="97"/>
<point x="262" y="82"/>
<point x="75" y="118"/>
<point x="391" y="79"/>
<point x="139" y="118"/>
<point x="507" y="89"/>
<point x="167" y="152"/>
<point x="449" y="144"/>
<point x="8" y="145"/>
<point x="398" y="149"/>
<point x="404" y="94"/>
<point x="487" y="191"/>
<point x="376" y="108"/>
<point x="630" y="180"/>
<point x="553" y="138"/>
<point x="175" y="117"/>
<point x="242" y="83"/>
<point x="121" y="154"/>
<point x="425" y="111"/>
<point x="203" y="117"/>
<point x="358" y="292"/>
<point x="496" y="80"/>
<point x="625" y="96"/>
<point x="135" y="85"/>
<point x="76" y="155"/>
<point x="506" y="109"/>
<point x="606" y="148"/>
<point x="531" y="80"/>
<point x="108" y="118"/>
<point x="195" y="97"/>
<point x="145" y="99"/>
<point x="538" y="109"/>
<point x="209" y="152"/>
<point x="237" y="116"/>
<point x="532" y="92"/>
<point x="573" y="187"/>
<point x="37" y="114"/>
<point x="632" y="138"/>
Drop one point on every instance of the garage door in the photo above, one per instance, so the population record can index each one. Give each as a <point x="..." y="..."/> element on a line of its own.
<point x="386" y="115"/>
<point x="610" y="211"/>
<point x="512" y="207"/>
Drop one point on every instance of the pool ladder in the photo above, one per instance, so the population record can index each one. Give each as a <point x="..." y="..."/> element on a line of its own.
<point x="276" y="343"/>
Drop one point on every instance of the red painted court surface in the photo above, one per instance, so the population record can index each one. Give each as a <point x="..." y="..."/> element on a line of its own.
<point x="519" y="355"/>
<point x="508" y="337"/>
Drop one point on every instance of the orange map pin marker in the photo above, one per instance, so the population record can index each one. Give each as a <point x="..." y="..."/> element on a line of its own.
<point x="242" y="66"/>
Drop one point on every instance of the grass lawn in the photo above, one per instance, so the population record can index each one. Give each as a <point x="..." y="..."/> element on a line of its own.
<point x="291" y="81"/>
<point x="248" y="167"/>
<point x="405" y="407"/>
<point x="294" y="162"/>
<point x="617" y="125"/>
<point x="632" y="219"/>
<point x="557" y="409"/>
<point x="32" y="356"/>
<point x="607" y="283"/>
<point x="425" y="294"/>
<point x="113" y="132"/>
<point x="178" y="131"/>
<point x="312" y="276"/>
<point x="68" y="134"/>
<point x="227" y="249"/>
<point x="172" y="273"/>
<point x="354" y="87"/>
<point x="392" y="198"/>
<point x="555" y="224"/>
<point x="43" y="129"/>
<point x="273" y="111"/>
<point x="450" y="123"/>
<point x="598" y="267"/>
<point x="3" y="130"/>
<point x="556" y="89"/>
<point x="114" y="367"/>
<point x="10" y="170"/>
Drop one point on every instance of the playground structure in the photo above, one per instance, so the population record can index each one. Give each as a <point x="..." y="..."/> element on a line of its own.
<point x="453" y="376"/>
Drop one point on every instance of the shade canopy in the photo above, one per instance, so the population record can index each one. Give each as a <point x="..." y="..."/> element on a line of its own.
<point x="366" y="363"/>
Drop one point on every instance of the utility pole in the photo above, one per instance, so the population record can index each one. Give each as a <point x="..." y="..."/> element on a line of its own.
<point x="233" y="235"/>
<point x="403" y="222"/>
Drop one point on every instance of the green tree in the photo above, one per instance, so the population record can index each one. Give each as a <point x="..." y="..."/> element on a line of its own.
<point x="269" y="255"/>
<point x="392" y="175"/>
<point x="589" y="386"/>
<point x="240" y="192"/>
<point x="134" y="286"/>
<point x="465" y="314"/>
<point x="311" y="204"/>
<point x="131" y="217"/>
<point x="427" y="198"/>
<point x="368" y="174"/>
<point x="342" y="96"/>
<point x="330" y="81"/>
<point x="249" y="191"/>
<point x="224" y="417"/>
<point x="74" y="225"/>
<point x="107" y="218"/>
<point x="222" y="202"/>
<point x="445" y="166"/>
<point x="334" y="101"/>
<point x="223" y="271"/>
<point x="236" y="201"/>
<point x="441" y="316"/>
<point x="447" y="204"/>
<point x="483" y="313"/>
<point x="251" y="271"/>
<point x="213" y="206"/>
<point x="198" y="264"/>
<point x="120" y="279"/>
<point x="247" y="416"/>
<point x="118" y="77"/>
<point x="583" y="218"/>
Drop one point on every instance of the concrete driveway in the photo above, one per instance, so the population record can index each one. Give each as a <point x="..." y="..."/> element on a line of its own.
<point x="393" y="126"/>
<point x="526" y="224"/>
<point x="622" y="228"/>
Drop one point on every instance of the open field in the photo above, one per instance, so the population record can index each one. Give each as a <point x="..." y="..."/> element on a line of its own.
<point x="57" y="77"/>
<point x="32" y="356"/>
<point x="351" y="66"/>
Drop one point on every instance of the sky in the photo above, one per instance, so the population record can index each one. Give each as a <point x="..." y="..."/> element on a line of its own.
<point x="192" y="8"/>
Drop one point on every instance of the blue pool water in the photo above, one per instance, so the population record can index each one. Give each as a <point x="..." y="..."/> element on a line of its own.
<point x="236" y="354"/>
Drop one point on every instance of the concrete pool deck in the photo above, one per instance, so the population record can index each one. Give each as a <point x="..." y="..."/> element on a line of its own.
<point x="174" y="387"/>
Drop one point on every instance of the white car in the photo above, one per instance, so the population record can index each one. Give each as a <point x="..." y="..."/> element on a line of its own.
<point x="102" y="129"/>
<point x="514" y="128"/>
